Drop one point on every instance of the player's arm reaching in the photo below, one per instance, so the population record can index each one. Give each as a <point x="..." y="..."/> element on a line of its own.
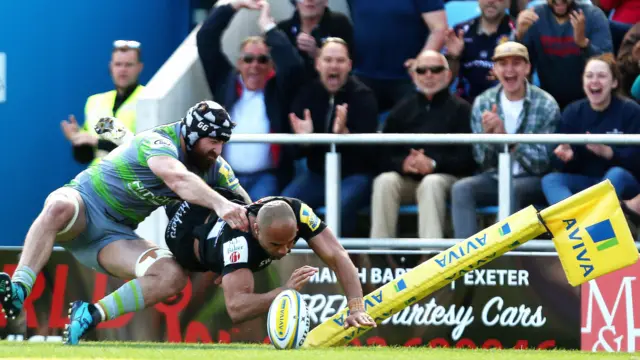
<point x="324" y="243"/>
<point x="329" y="249"/>
<point x="191" y="188"/>
<point x="243" y="304"/>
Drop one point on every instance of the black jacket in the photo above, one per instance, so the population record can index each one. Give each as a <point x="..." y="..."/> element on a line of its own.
<point x="362" y="118"/>
<point x="332" y="24"/>
<point x="224" y="80"/>
<point x="444" y="114"/>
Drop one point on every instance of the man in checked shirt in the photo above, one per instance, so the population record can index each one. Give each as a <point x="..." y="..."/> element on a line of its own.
<point x="514" y="106"/>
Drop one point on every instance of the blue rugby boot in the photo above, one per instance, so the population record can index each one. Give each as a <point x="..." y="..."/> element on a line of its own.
<point x="82" y="318"/>
<point x="12" y="295"/>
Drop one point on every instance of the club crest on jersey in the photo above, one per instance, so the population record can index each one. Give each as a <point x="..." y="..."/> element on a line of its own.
<point x="235" y="251"/>
<point x="307" y="216"/>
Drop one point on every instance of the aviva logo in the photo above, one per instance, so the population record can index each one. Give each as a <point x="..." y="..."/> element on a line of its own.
<point x="505" y="229"/>
<point x="602" y="235"/>
<point x="400" y="285"/>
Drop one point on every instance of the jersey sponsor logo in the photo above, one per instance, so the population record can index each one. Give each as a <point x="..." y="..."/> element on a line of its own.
<point x="307" y="216"/>
<point x="235" y="251"/>
<point x="264" y="263"/>
<point x="161" y="142"/>
<point x="177" y="219"/>
<point x="137" y="188"/>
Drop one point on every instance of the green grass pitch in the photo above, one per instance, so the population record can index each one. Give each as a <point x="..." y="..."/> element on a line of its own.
<point x="167" y="351"/>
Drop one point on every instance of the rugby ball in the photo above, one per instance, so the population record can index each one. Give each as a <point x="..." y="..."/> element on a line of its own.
<point x="288" y="320"/>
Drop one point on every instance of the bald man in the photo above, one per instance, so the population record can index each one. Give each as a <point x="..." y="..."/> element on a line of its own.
<point x="422" y="174"/>
<point x="202" y="242"/>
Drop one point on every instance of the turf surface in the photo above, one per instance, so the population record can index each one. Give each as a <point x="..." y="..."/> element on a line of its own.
<point x="166" y="351"/>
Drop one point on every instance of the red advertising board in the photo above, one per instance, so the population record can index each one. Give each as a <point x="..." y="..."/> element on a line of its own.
<point x="513" y="302"/>
<point x="610" y="312"/>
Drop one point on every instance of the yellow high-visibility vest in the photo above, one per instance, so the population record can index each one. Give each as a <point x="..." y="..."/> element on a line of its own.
<point x="101" y="105"/>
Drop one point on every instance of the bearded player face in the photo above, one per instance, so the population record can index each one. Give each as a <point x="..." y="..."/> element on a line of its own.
<point x="205" y="153"/>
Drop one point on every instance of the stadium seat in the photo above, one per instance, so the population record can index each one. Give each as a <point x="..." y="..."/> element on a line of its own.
<point x="535" y="3"/>
<point x="413" y="209"/>
<point x="408" y="210"/>
<point x="535" y="80"/>
<point x="459" y="11"/>
<point x="300" y="166"/>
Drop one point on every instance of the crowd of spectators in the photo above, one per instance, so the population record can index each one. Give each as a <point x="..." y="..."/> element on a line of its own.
<point x="399" y="66"/>
<point x="396" y="66"/>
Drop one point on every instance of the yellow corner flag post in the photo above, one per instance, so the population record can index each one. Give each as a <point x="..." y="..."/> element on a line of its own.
<point x="590" y="233"/>
<point x="432" y="275"/>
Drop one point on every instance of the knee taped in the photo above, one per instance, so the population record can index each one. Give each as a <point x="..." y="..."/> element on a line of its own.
<point x="76" y="211"/>
<point x="149" y="257"/>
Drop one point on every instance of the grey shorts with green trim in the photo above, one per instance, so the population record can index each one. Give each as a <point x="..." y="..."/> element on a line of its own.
<point x="102" y="229"/>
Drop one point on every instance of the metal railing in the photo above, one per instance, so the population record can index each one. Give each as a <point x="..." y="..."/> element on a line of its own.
<point x="505" y="181"/>
<point x="421" y="246"/>
<point x="405" y="246"/>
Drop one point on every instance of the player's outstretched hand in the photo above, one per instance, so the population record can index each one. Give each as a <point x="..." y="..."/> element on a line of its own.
<point x="300" y="277"/>
<point x="358" y="319"/>
<point x="235" y="215"/>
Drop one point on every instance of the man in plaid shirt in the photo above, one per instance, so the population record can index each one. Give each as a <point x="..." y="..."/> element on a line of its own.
<point x="513" y="106"/>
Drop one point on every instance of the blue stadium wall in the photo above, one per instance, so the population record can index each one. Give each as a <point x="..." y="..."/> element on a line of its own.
<point x="57" y="54"/>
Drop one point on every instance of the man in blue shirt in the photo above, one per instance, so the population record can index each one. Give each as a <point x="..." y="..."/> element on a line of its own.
<point x="388" y="34"/>
<point x="470" y="47"/>
<point x="560" y="36"/>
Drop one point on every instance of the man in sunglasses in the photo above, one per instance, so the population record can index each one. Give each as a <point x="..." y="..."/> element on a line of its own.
<point x="422" y="174"/>
<point x="560" y="36"/>
<point x="257" y="90"/>
<point x="338" y="103"/>
<point x="512" y="107"/>
<point x="125" y="68"/>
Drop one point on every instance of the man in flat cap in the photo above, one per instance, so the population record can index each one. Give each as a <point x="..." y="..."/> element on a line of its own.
<point x="514" y="106"/>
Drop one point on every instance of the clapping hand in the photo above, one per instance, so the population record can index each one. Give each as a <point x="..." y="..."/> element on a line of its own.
<point x="301" y="126"/>
<point x="491" y="122"/>
<point x="564" y="152"/>
<point x="340" y="122"/>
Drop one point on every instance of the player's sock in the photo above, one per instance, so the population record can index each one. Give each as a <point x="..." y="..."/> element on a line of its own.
<point x="128" y="298"/>
<point x="103" y="315"/>
<point x="26" y="277"/>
